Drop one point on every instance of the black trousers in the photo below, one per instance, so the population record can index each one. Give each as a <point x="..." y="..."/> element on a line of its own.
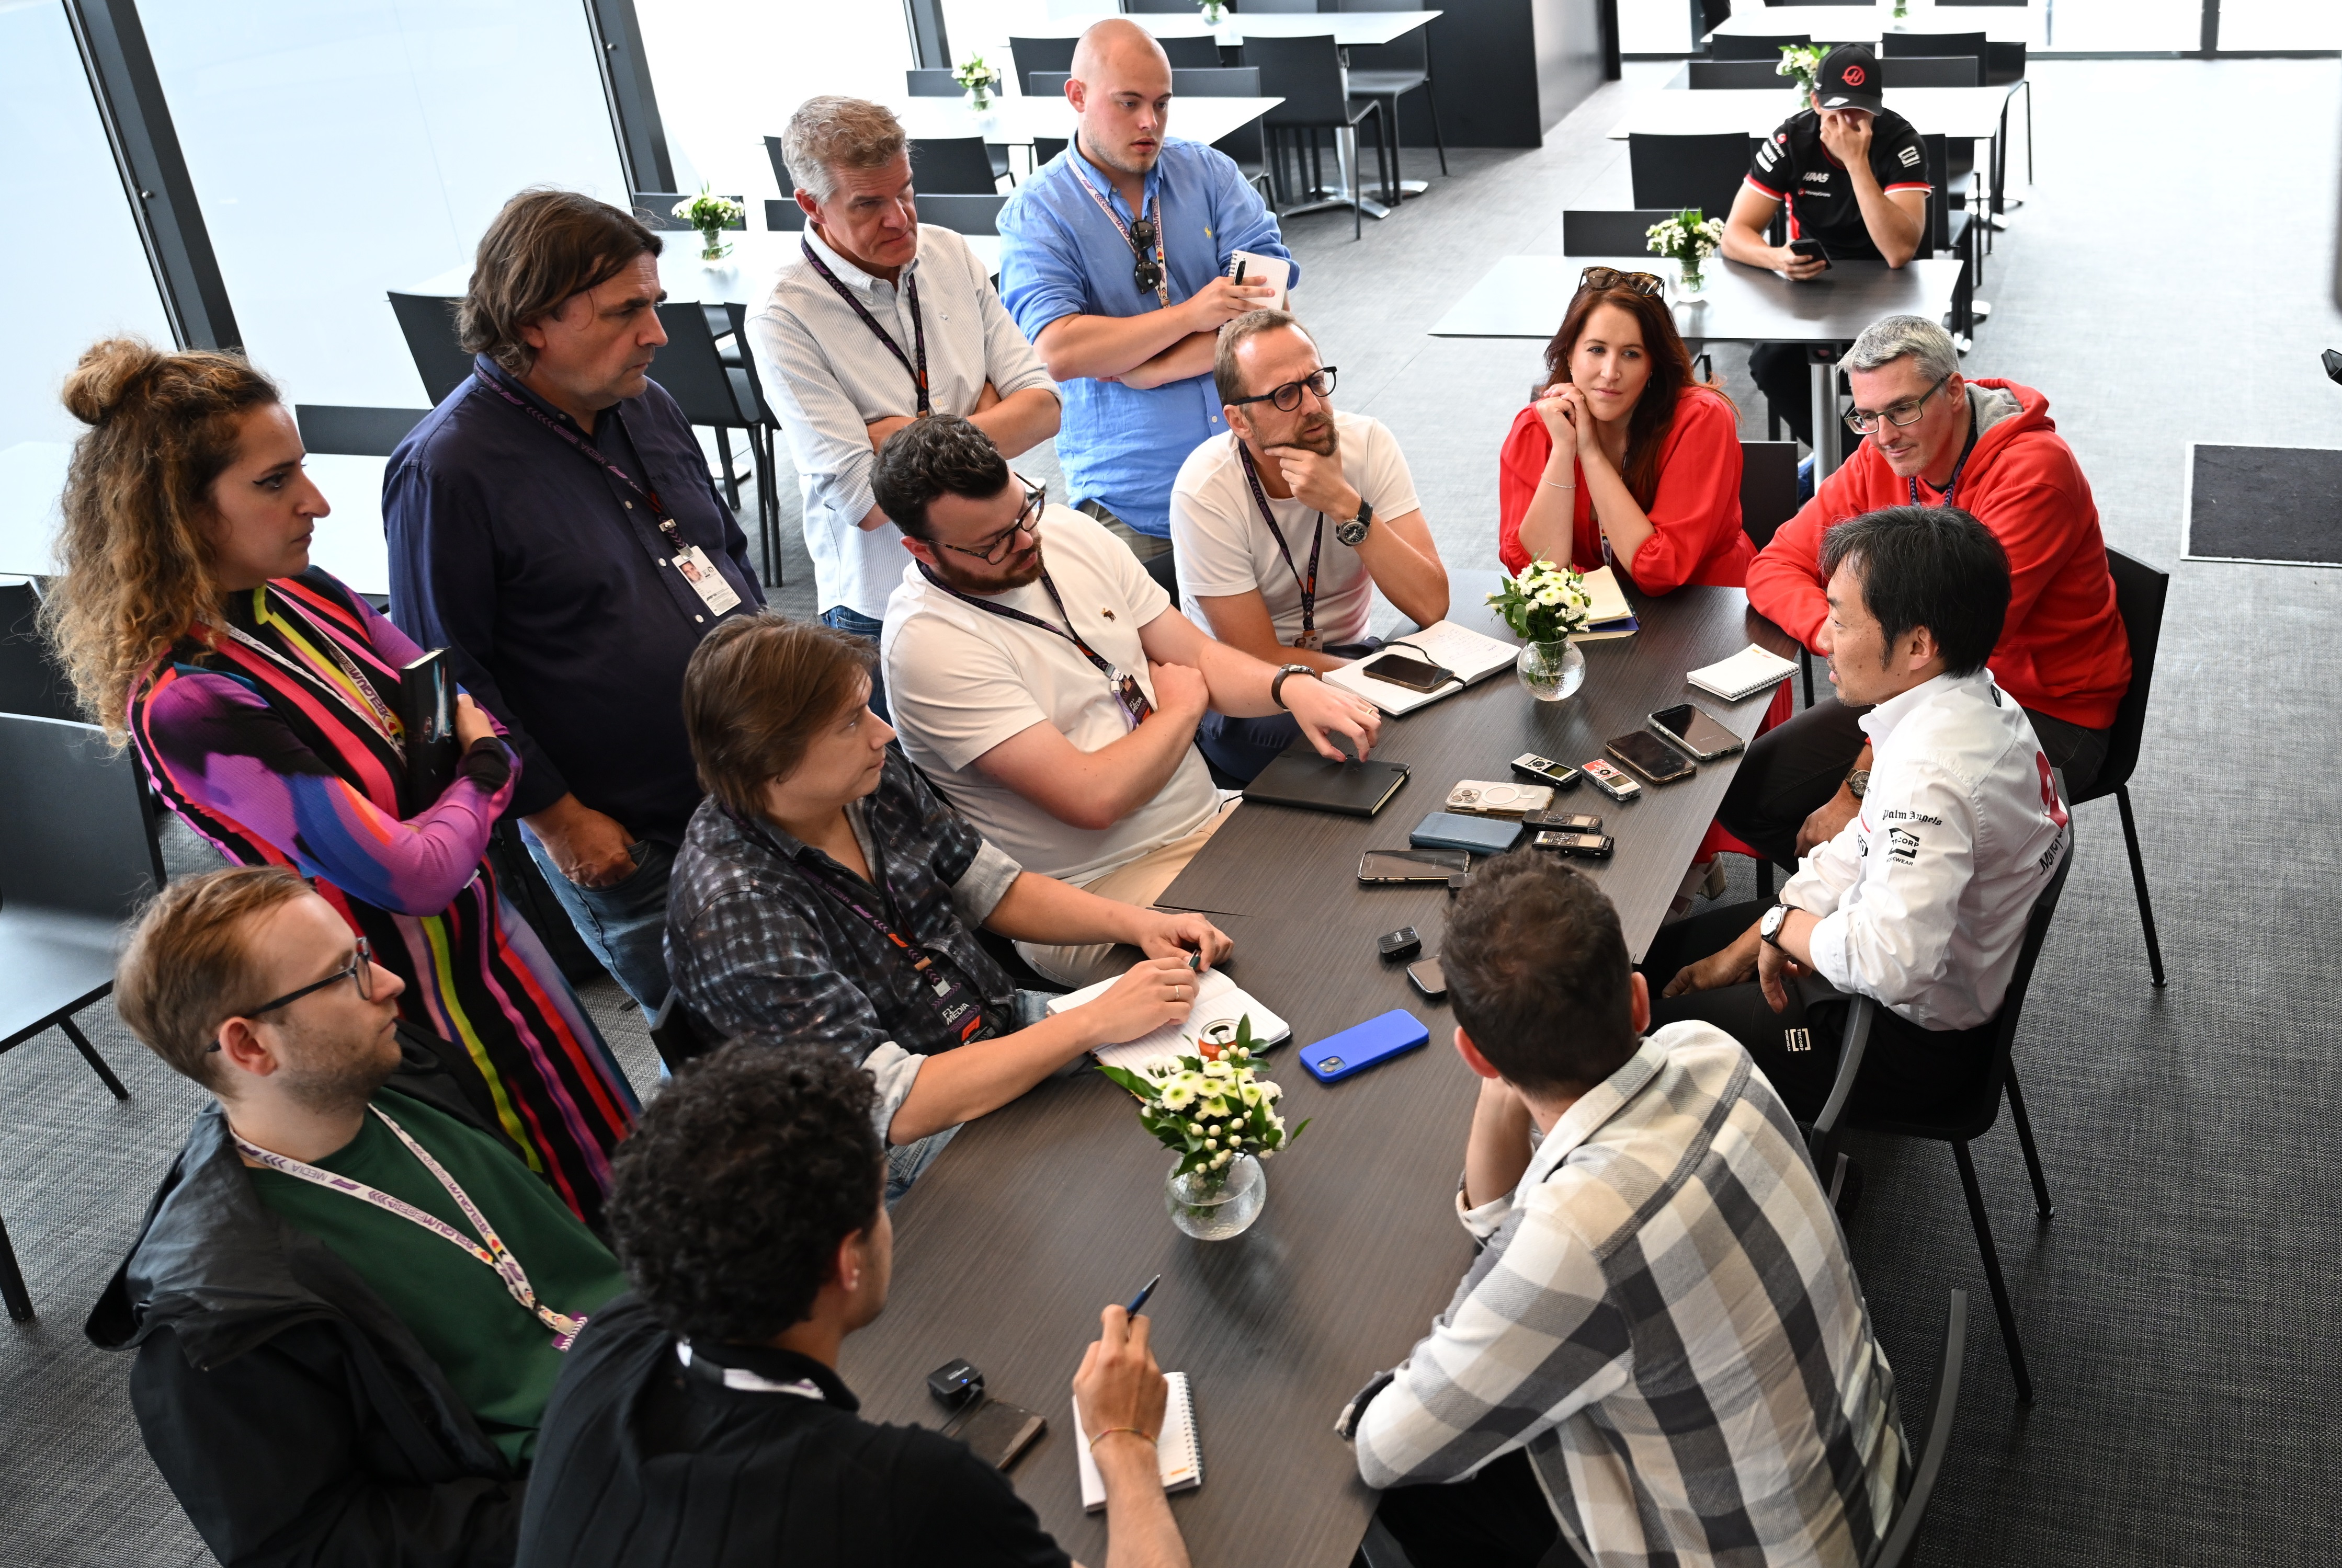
<point x="1781" y="372"/>
<point x="1793" y="769"/>
<point x="1498" y="1519"/>
<point x="1906" y="1071"/>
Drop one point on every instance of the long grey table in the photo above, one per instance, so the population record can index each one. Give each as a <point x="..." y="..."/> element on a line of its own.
<point x="1019" y="121"/>
<point x="1962" y="113"/>
<point x="1349" y="28"/>
<point x="1039" y="1214"/>
<point x="1525" y="296"/>
<point x="1867" y="24"/>
<point x="744" y="278"/>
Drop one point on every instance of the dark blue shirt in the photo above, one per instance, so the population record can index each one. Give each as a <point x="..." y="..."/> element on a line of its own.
<point x="546" y="579"/>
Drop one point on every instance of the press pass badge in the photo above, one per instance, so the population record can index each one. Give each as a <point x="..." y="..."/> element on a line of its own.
<point x="704" y="579"/>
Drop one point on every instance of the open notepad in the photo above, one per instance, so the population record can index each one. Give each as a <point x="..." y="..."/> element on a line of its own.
<point x="1181" y="1459"/>
<point x="1609" y="615"/>
<point x="1217" y="999"/>
<point x="1472" y="656"/>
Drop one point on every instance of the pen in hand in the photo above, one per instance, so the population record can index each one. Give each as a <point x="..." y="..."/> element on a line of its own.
<point x="1242" y="263"/>
<point x="1140" y="1299"/>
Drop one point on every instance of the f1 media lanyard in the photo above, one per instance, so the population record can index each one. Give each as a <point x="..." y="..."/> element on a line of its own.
<point x="593" y="454"/>
<point x="494" y="1253"/>
<point x="1126" y="689"/>
<point x="1953" y="480"/>
<point x="918" y="373"/>
<point x="1308" y="585"/>
<point x="959" y="1013"/>
<point x="1155" y="202"/>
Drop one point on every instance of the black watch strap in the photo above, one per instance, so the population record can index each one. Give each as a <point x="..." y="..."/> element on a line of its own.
<point x="1277" y="685"/>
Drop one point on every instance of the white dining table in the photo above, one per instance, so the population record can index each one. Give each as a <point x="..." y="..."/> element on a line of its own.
<point x="1358" y="29"/>
<point x="744" y="278"/>
<point x="1868" y="24"/>
<point x="1962" y="113"/>
<point x="1019" y="121"/>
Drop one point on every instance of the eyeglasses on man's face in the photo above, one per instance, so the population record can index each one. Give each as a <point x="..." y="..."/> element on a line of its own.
<point x="997" y="548"/>
<point x="1644" y="282"/>
<point x="1863" y="422"/>
<point x="359" y="969"/>
<point x="1287" y="397"/>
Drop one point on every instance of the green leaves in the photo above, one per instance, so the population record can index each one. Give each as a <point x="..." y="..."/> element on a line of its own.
<point x="1211" y="1107"/>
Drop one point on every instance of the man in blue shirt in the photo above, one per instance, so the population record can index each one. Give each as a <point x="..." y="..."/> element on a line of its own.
<point x="1113" y="259"/>
<point x="553" y="526"/>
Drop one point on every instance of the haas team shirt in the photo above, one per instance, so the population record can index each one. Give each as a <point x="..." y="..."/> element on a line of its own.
<point x="1793" y="166"/>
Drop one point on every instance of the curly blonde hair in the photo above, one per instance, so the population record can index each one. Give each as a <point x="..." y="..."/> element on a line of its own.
<point x="136" y="542"/>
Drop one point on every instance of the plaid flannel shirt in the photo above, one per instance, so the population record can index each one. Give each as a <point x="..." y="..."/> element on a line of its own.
<point x="1665" y="1317"/>
<point x="762" y="953"/>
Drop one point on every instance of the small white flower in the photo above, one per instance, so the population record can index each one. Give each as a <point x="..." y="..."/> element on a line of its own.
<point x="1219" y="1159"/>
<point x="1211" y="1142"/>
<point x="1178" y="1096"/>
<point x="1549" y="596"/>
<point x="1249" y="1093"/>
<point x="1270" y="1092"/>
<point x="1196" y="1129"/>
<point x="1218" y="1070"/>
<point x="1216" y="1107"/>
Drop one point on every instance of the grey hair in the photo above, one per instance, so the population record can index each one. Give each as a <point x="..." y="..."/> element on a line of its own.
<point x="830" y="133"/>
<point x="1895" y="337"/>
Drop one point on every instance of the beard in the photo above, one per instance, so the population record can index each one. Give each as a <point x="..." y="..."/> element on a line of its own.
<point x="1318" y="435"/>
<point x="1121" y="161"/>
<point x="330" y="1078"/>
<point x="1016" y="572"/>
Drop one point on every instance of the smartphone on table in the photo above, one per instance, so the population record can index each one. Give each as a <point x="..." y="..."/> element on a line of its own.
<point x="1365" y="1045"/>
<point x="1405" y="669"/>
<point x="1650" y="756"/>
<point x="1380" y="867"/>
<point x="1811" y="249"/>
<point x="1690" y="730"/>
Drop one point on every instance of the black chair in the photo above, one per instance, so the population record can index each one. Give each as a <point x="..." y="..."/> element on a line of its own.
<point x="1952" y="229"/>
<point x="1610" y="234"/>
<point x="680" y="1034"/>
<point x="1307" y="73"/>
<point x="1159" y="7"/>
<point x="1247" y="146"/>
<point x="1734" y="77"/>
<point x="1765" y="46"/>
<point x="1389" y="72"/>
<point x="1678" y="172"/>
<point x="724" y="398"/>
<point x="953" y="166"/>
<point x="1286" y="7"/>
<point x="77" y="857"/>
<point x="1894" y="1548"/>
<point x="784" y="216"/>
<point x="1768" y="489"/>
<point x="339" y="429"/>
<point x="31" y="681"/>
<point x="2139" y="594"/>
<point x="1051" y="83"/>
<point x="1901" y="46"/>
<point x="1194" y="52"/>
<point x="963" y="215"/>
<point x="1960" y="1124"/>
<point x="427" y="322"/>
<point x="1164" y="570"/>
<point x="1046" y="148"/>
<point x="1934" y="70"/>
<point x="1033" y="54"/>
<point x="938" y="83"/>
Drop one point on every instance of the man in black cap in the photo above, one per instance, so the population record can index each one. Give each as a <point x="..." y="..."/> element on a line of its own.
<point x="1854" y="175"/>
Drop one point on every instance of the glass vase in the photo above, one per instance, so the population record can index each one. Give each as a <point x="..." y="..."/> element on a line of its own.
<point x="1689" y="280"/>
<point x="712" y="248"/>
<point x="1551" y="671"/>
<point x="1213" y="1205"/>
<point x="980" y="98"/>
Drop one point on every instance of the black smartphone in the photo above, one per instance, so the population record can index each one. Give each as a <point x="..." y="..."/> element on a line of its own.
<point x="1690" y="729"/>
<point x="997" y="1431"/>
<point x="1428" y="978"/>
<point x="1414" y="675"/>
<point x="1811" y="249"/>
<point x="1650" y="756"/>
<point x="1390" y="865"/>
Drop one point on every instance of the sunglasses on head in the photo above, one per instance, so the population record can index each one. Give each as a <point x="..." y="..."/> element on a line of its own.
<point x="1643" y="283"/>
<point x="1147" y="273"/>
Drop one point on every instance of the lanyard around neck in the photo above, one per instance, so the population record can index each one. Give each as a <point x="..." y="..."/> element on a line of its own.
<point x="1126" y="689"/>
<point x="494" y="1253"/>
<point x="918" y="373"/>
<point x="1951" y="480"/>
<point x="1155" y="203"/>
<point x="1308" y="585"/>
<point x="592" y="455"/>
<point x="371" y="710"/>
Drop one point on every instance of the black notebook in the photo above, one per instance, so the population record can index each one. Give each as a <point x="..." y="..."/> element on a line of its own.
<point x="1299" y="777"/>
<point x="426" y="712"/>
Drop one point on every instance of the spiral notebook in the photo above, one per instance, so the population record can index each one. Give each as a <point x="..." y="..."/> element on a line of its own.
<point x="1181" y="1461"/>
<point x="1219" y="999"/>
<point x="1746" y="674"/>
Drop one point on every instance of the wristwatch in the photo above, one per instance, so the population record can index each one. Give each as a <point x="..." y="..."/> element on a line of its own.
<point x="1857" y="783"/>
<point x="1277" y="687"/>
<point x="1353" y="530"/>
<point x="1769" y="928"/>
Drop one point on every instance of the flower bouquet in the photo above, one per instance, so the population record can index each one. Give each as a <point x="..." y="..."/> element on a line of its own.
<point x="1213" y="1111"/>
<point x="1546" y="605"/>
<point x="1214" y="11"/>
<point x="982" y="80"/>
<point x="1802" y="63"/>
<point x="711" y="216"/>
<point x="1688" y="239"/>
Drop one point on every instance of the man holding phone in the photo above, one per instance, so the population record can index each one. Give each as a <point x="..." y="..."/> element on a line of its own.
<point x="1854" y="176"/>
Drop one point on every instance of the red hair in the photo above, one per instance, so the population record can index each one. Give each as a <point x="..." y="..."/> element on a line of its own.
<point x="1671" y="376"/>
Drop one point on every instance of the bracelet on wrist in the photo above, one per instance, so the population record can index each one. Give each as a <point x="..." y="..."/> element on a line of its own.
<point x="1110" y="1430"/>
<point x="1557" y="485"/>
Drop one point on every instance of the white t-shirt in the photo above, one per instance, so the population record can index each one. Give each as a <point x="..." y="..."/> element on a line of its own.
<point x="1222" y="546"/>
<point x="961" y="680"/>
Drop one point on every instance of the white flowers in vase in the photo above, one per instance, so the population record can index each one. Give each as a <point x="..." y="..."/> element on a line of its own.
<point x="980" y="80"/>
<point x="1210" y="1108"/>
<point x="711" y="216"/>
<point x="1545" y="604"/>
<point x="1688" y="239"/>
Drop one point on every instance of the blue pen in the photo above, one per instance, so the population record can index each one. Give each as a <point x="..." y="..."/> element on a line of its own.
<point x="1140" y="1299"/>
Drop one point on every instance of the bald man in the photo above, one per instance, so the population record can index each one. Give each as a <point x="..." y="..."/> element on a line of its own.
<point x="1113" y="259"/>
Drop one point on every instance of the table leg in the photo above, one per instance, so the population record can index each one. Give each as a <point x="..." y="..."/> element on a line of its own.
<point x="1326" y="197"/>
<point x="1822" y="367"/>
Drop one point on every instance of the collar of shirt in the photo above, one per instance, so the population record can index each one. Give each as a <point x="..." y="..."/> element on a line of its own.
<point x="1594" y="1110"/>
<point x="1880" y="721"/>
<point x="1150" y="191"/>
<point x="765" y="1369"/>
<point x="482" y="365"/>
<point x="851" y="273"/>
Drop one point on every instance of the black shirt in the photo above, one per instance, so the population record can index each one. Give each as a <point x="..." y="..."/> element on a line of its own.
<point x="1794" y="166"/>
<point x="641" y="1461"/>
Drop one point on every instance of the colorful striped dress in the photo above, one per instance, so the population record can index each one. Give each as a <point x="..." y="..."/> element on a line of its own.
<point x="277" y="754"/>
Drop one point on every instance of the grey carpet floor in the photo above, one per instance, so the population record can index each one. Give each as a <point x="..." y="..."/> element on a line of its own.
<point x="2179" y="1311"/>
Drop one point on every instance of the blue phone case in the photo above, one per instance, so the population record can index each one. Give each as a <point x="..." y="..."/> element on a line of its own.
<point x="1365" y="1045"/>
<point x="1479" y="834"/>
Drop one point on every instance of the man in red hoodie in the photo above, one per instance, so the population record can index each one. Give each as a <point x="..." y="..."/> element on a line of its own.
<point x="1936" y="438"/>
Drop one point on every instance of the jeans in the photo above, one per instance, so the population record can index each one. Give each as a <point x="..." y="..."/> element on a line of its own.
<point x="838" y="618"/>
<point x="906" y="1162"/>
<point x="1498" y="1519"/>
<point x="1240" y="748"/>
<point x="625" y="923"/>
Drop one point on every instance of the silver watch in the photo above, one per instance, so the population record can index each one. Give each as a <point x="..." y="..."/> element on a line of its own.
<point x="1770" y="927"/>
<point x="1277" y="685"/>
<point x="1857" y="783"/>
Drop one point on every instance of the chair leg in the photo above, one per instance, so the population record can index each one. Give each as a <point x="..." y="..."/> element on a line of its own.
<point x="2028" y="130"/>
<point x="12" y="1282"/>
<point x="2139" y="881"/>
<point x="1431" y="101"/>
<point x="731" y="481"/>
<point x="2041" y="1203"/>
<point x="89" y="1054"/>
<point x="1763" y="880"/>
<point x="2008" y="1340"/>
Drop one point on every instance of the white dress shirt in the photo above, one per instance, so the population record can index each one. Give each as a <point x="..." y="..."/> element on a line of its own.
<point x="1924" y="895"/>
<point x="829" y="378"/>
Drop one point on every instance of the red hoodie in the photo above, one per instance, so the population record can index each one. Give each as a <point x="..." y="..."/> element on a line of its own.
<point x="2062" y="651"/>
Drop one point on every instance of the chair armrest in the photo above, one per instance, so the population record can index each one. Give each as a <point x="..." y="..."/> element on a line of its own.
<point x="1849" y="1066"/>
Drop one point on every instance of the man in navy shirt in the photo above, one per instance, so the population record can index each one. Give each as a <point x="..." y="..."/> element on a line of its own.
<point x="553" y="526"/>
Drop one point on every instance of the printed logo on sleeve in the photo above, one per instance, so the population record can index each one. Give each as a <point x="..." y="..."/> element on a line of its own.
<point x="1909" y="158"/>
<point x="1767" y="156"/>
<point x="1902" y="845"/>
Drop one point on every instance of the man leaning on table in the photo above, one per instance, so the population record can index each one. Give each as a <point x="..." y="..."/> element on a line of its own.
<point x="1662" y="1347"/>
<point x="877" y="320"/>
<point x="1854" y="174"/>
<point x="1113" y="259"/>
<point x="1286" y="526"/>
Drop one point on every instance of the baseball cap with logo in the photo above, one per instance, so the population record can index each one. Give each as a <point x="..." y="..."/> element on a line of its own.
<point x="1848" y="79"/>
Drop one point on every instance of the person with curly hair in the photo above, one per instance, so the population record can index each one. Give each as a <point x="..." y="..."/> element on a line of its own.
<point x="261" y="694"/>
<point x="701" y="1420"/>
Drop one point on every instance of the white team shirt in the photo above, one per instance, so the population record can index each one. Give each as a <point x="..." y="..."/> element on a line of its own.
<point x="1924" y="895"/>
<point x="961" y="680"/>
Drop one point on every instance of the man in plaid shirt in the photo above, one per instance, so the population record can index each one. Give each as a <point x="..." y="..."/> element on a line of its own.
<point x="1661" y="1346"/>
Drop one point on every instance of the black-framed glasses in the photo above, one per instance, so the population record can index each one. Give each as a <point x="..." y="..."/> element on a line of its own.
<point x="360" y="969"/>
<point x="1288" y="397"/>
<point x="1644" y="283"/>
<point x="993" y="551"/>
<point x="1147" y="273"/>
<point x="1863" y="423"/>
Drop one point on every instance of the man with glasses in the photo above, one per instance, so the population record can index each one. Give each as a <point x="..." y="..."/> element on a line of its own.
<point x="875" y="321"/>
<point x="350" y="1298"/>
<point x="1933" y="437"/>
<point x="1113" y="259"/>
<point x="1048" y="686"/>
<point x="1286" y="526"/>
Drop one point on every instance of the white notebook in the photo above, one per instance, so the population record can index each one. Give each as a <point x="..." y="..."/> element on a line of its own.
<point x="1274" y="270"/>
<point x="1217" y="999"/>
<point x="1746" y="674"/>
<point x="1472" y="656"/>
<point x="1181" y="1460"/>
<point x="1609" y="615"/>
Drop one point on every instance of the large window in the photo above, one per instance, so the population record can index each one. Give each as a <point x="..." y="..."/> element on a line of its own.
<point x="347" y="149"/>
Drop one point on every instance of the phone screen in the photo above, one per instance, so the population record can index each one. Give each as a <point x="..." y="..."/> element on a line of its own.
<point x="1689" y="724"/>
<point x="1412" y="865"/>
<point x="1428" y="978"/>
<point x="1650" y="756"/>
<point x="1414" y="675"/>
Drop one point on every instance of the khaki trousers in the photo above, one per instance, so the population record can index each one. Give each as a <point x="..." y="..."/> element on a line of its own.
<point x="1140" y="882"/>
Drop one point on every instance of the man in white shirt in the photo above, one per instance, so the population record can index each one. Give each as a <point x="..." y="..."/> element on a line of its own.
<point x="1920" y="902"/>
<point x="876" y="321"/>
<point x="1283" y="527"/>
<point x="1054" y="702"/>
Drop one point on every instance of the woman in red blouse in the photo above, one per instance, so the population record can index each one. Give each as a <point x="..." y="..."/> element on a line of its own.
<point x="1622" y="448"/>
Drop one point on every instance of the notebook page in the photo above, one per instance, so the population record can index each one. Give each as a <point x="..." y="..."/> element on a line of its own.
<point x="1217" y="999"/>
<point x="1178" y="1457"/>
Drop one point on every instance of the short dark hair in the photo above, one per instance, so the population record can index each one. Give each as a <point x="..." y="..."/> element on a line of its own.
<point x="1537" y="974"/>
<point x="942" y="454"/>
<point x="545" y="247"/>
<point x="1932" y="566"/>
<point x="728" y="1201"/>
<point x="1227" y="375"/>
<point x="756" y="689"/>
<point x="190" y="964"/>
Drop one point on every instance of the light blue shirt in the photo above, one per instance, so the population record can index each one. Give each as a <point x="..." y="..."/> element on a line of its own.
<point x="1060" y="255"/>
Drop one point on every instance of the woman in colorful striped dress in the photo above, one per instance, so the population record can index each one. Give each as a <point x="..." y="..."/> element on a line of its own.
<point x="262" y="696"/>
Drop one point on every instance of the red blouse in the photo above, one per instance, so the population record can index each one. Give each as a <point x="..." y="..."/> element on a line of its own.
<point x="1694" y="517"/>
